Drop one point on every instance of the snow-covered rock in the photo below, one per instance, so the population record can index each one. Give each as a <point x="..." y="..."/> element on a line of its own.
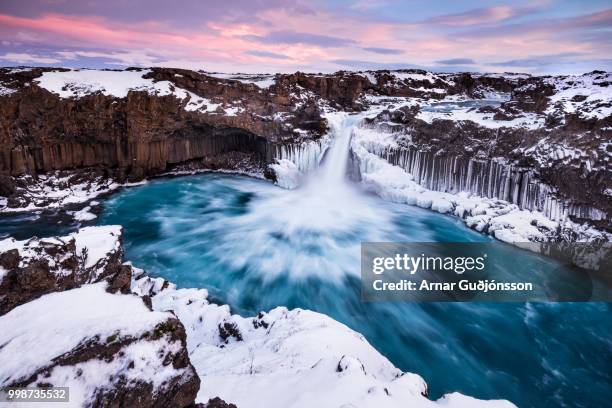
<point x="84" y="214"/>
<point x="288" y="358"/>
<point x="588" y="95"/>
<point x="109" y="349"/>
<point x="56" y="190"/>
<point x="31" y="268"/>
<point x="78" y="83"/>
<point x="287" y="174"/>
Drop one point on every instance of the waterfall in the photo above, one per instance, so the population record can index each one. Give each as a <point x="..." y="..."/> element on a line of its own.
<point x="325" y="163"/>
<point x="325" y="160"/>
<point x="306" y="219"/>
<point x="334" y="168"/>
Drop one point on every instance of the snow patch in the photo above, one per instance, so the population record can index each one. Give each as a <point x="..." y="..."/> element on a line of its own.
<point x="97" y="242"/>
<point x="84" y="214"/>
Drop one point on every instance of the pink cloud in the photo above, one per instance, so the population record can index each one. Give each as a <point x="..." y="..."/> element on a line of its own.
<point x="311" y="40"/>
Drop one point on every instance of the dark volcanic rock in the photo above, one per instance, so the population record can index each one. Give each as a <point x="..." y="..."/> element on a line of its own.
<point x="142" y="133"/>
<point x="39" y="266"/>
<point x="216" y="403"/>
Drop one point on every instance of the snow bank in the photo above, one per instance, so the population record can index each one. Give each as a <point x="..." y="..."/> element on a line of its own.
<point x="288" y="358"/>
<point x="56" y="190"/>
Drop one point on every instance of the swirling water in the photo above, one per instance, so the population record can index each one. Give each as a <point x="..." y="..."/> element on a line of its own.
<point x="236" y="237"/>
<point x="256" y="246"/>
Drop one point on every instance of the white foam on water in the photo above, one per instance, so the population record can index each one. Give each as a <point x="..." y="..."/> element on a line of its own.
<point x="315" y="229"/>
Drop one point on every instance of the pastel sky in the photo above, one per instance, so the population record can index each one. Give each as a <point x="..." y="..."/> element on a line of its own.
<point x="538" y="36"/>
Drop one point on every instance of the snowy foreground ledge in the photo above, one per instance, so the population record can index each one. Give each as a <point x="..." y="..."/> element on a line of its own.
<point x="111" y="347"/>
<point x="288" y="358"/>
<point x="102" y="346"/>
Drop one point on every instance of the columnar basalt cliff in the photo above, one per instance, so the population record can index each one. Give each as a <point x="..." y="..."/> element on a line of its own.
<point x="543" y="143"/>
<point x="557" y="171"/>
<point x="139" y="134"/>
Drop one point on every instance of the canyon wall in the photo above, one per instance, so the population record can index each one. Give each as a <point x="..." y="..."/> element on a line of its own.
<point x="543" y="144"/>
<point x="491" y="178"/>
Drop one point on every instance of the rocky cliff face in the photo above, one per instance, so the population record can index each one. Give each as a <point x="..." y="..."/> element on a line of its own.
<point x="164" y="118"/>
<point x="136" y="123"/>
<point x="537" y="169"/>
<point x="35" y="267"/>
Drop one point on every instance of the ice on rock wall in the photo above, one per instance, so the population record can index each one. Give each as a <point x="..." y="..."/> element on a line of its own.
<point x="293" y="161"/>
<point x="485" y="178"/>
<point x="306" y="156"/>
<point x="493" y="197"/>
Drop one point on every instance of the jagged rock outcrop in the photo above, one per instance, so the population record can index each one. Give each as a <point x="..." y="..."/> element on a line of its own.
<point x="36" y="266"/>
<point x="69" y="319"/>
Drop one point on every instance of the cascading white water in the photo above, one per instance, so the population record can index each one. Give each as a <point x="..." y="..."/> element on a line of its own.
<point x="313" y="229"/>
<point x="333" y="171"/>
<point x="327" y="201"/>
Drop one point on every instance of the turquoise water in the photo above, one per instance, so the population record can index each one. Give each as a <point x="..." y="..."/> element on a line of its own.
<point x="255" y="246"/>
